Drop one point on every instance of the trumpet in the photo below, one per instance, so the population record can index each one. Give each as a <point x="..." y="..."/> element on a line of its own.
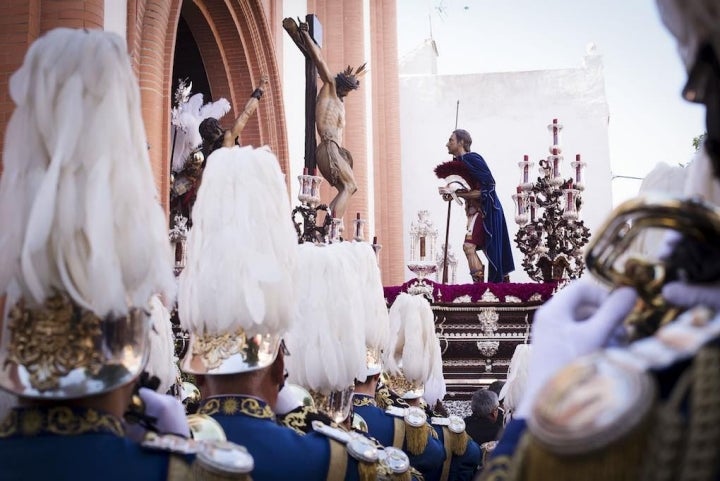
<point x="615" y="254"/>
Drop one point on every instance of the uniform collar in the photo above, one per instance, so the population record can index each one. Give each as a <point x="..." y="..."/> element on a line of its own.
<point x="59" y="421"/>
<point x="363" y="400"/>
<point x="235" y="405"/>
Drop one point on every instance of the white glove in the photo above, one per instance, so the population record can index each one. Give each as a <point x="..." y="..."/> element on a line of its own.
<point x="576" y="321"/>
<point x="169" y="412"/>
<point x="691" y="295"/>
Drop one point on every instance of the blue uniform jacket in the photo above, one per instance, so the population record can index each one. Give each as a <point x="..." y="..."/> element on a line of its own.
<point x="497" y="239"/>
<point x="63" y="443"/>
<point x="279" y="452"/>
<point x="462" y="468"/>
<point x="381" y="426"/>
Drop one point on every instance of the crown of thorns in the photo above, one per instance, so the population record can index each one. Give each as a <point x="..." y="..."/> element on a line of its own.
<point x="349" y="79"/>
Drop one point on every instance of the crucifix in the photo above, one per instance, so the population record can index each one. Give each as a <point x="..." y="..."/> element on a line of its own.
<point x="311" y="73"/>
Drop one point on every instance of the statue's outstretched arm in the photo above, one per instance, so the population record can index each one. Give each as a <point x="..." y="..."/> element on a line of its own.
<point x="242" y="119"/>
<point x="316" y="54"/>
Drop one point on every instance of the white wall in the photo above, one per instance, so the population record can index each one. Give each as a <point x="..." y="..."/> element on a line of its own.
<point x="507" y="115"/>
<point x="116" y="17"/>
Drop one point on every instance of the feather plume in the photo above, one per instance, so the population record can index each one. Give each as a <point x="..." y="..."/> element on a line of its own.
<point x="435" y="387"/>
<point x="186" y="119"/>
<point x="414" y="345"/>
<point x="514" y="388"/>
<point x="162" y="362"/>
<point x="241" y="249"/>
<point x="375" y="315"/>
<point x="456" y="168"/>
<point x="327" y="340"/>
<point x="78" y="203"/>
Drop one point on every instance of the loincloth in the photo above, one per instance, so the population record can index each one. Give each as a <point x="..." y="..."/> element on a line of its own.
<point x="328" y="156"/>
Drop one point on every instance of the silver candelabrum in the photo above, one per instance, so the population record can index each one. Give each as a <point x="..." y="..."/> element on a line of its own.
<point x="551" y="235"/>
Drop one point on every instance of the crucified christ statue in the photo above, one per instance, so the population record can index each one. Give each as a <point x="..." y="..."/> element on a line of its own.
<point x="334" y="161"/>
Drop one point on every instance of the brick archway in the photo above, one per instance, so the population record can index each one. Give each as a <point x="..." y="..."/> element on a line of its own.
<point x="236" y="46"/>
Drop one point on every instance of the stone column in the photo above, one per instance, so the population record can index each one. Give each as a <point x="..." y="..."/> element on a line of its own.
<point x="386" y="140"/>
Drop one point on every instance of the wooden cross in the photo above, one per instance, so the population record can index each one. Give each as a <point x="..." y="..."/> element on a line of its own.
<point x="315" y="31"/>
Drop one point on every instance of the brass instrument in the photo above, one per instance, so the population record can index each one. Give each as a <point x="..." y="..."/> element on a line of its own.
<point x="612" y="254"/>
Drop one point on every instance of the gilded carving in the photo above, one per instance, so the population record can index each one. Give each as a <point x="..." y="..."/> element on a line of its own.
<point x="214" y="349"/>
<point x="401" y="385"/>
<point x="53" y="339"/>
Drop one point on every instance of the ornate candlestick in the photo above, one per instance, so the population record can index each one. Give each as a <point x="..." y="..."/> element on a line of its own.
<point x="309" y="196"/>
<point x="423" y="236"/>
<point x="178" y="240"/>
<point x="358" y="224"/>
<point x="376" y="247"/>
<point x="451" y="260"/>
<point x="551" y="235"/>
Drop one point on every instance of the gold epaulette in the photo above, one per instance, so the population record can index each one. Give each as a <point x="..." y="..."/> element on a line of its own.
<point x="361" y="448"/>
<point x="456" y="439"/>
<point x="417" y="430"/>
<point x="375" y="462"/>
<point x="215" y="460"/>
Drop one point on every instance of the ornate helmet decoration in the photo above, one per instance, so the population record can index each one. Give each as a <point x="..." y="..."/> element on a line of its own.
<point x="236" y="293"/>
<point x="414" y="359"/>
<point x="84" y="241"/>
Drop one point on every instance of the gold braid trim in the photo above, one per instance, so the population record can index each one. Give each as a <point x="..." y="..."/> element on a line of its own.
<point x="295" y="420"/>
<point x="338" y="461"/>
<point x="406" y="476"/>
<point x="364" y="401"/>
<point x="411" y="474"/>
<point x="199" y="472"/>
<point x="382" y="397"/>
<point x="448" y="455"/>
<point x="233" y="405"/>
<point x="60" y="420"/>
<point x="398" y="433"/>
<point x="417" y="438"/>
<point x="367" y="471"/>
<point x="458" y="441"/>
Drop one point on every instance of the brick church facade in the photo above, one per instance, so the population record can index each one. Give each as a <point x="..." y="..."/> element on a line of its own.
<point x="226" y="46"/>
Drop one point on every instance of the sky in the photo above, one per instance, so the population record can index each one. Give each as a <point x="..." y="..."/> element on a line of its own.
<point x="644" y="75"/>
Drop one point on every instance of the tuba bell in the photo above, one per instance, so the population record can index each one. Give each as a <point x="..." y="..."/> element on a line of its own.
<point x="688" y="251"/>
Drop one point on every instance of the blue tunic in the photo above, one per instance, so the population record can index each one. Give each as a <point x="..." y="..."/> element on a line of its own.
<point x="63" y="443"/>
<point x="279" y="452"/>
<point x="381" y="426"/>
<point x="497" y="240"/>
<point x="462" y="468"/>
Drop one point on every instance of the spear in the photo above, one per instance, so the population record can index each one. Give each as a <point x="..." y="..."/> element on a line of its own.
<point x="447" y="224"/>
